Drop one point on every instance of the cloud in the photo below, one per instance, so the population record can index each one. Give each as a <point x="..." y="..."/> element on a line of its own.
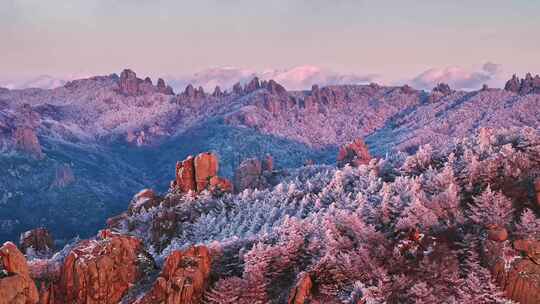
<point x="457" y="77"/>
<point x="296" y="78"/>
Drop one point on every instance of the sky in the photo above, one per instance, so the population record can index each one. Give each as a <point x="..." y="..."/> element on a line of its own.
<point x="412" y="41"/>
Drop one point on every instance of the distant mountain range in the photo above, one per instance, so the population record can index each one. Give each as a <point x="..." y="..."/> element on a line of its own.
<point x="76" y="154"/>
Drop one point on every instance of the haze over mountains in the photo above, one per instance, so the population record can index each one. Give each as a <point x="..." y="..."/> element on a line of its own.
<point x="299" y="78"/>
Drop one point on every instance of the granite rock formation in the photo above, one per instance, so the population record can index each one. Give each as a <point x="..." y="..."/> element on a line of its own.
<point x="16" y="286"/>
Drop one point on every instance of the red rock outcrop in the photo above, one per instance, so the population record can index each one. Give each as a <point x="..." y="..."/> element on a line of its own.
<point x="355" y="153"/>
<point x="183" y="280"/>
<point x="206" y="166"/>
<point x="97" y="271"/>
<point x="185" y="175"/>
<point x="16" y="286"/>
<point x="517" y="270"/>
<point x="39" y="239"/>
<point x="200" y="173"/>
<point x="302" y="291"/>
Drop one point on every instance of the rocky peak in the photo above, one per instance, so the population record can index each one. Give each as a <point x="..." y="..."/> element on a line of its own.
<point x="253" y="85"/>
<point x="200" y="173"/>
<point x="273" y="87"/>
<point x="355" y="153"/>
<point x="443" y="88"/>
<point x="528" y="85"/>
<point x="237" y="89"/>
<point x="130" y="85"/>
<point x="191" y="94"/>
<point x="163" y="88"/>
<point x="217" y="92"/>
<point x="440" y="91"/>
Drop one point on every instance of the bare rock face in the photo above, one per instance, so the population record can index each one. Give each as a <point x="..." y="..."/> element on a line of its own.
<point x="528" y="85"/>
<point x="206" y="166"/>
<point x="355" y="154"/>
<point x="97" y="271"/>
<point x="64" y="176"/>
<point x="517" y="269"/>
<point x="185" y="175"/>
<point x="183" y="280"/>
<point x="16" y="286"/>
<point x="302" y="291"/>
<point x="254" y="174"/>
<point x="39" y="240"/>
<point x="200" y="173"/>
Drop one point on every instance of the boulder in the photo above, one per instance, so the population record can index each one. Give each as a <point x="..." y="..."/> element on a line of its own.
<point x="39" y="240"/>
<point x="183" y="280"/>
<point x="98" y="271"/>
<point x="355" y="154"/>
<point x="16" y="286"/>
